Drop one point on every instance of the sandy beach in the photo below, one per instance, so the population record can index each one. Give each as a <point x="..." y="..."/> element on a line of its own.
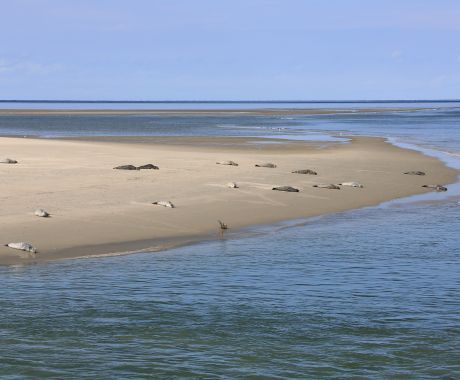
<point x="96" y="210"/>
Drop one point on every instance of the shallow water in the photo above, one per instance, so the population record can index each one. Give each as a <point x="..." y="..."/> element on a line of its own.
<point x="362" y="293"/>
<point x="371" y="293"/>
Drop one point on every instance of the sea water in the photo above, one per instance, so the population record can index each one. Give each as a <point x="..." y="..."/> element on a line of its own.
<point x="370" y="293"/>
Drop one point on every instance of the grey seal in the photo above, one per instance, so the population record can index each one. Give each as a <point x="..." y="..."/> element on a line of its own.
<point x="231" y="163"/>
<point x="415" y="172"/>
<point x="327" y="186"/>
<point x="436" y="187"/>
<point x="265" y="165"/>
<point x="148" y="166"/>
<point x="126" y="167"/>
<point x="8" y="161"/>
<point x="289" y="189"/>
<point x="305" y="171"/>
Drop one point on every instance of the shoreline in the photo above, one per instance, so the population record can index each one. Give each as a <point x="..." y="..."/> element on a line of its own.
<point x="223" y="111"/>
<point x="252" y="205"/>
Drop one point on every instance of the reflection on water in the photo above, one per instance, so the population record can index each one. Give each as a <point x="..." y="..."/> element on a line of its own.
<point x="372" y="293"/>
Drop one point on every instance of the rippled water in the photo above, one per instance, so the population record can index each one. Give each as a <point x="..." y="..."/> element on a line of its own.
<point x="361" y="293"/>
<point x="371" y="293"/>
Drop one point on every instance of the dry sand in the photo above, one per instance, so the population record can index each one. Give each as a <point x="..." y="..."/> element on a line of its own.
<point x="97" y="210"/>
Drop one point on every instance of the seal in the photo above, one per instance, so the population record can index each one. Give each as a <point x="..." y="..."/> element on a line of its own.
<point x="415" y="172"/>
<point x="232" y="185"/>
<point x="305" y="171"/>
<point x="41" y="213"/>
<point x="436" y="187"/>
<point x="164" y="204"/>
<point x="231" y="163"/>
<point x="352" y="184"/>
<point x="126" y="167"/>
<point x="265" y="165"/>
<point x="148" y="166"/>
<point x="289" y="189"/>
<point x="21" y="246"/>
<point x="8" y="161"/>
<point x="327" y="186"/>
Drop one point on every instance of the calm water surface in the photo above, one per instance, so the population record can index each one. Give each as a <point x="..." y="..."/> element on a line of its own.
<point x="372" y="293"/>
<point x="360" y="294"/>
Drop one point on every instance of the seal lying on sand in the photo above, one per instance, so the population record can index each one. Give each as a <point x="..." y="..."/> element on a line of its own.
<point x="232" y="185"/>
<point x="415" y="172"/>
<point x="327" y="186"/>
<point x="231" y="163"/>
<point x="164" y="204"/>
<point x="352" y="184"/>
<point x="305" y="171"/>
<point x="289" y="189"/>
<point x="132" y="167"/>
<point x="41" y="213"/>
<point x="8" y="161"/>
<point x="265" y="165"/>
<point x="126" y="167"/>
<point x="148" y="166"/>
<point x="436" y="187"/>
<point x="23" y="247"/>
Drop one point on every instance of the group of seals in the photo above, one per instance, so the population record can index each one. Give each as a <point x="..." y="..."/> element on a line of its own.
<point x="8" y="161"/>
<point x="132" y="167"/>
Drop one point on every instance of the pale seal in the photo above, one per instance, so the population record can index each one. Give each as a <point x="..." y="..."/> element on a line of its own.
<point x="231" y="163"/>
<point x="164" y="204"/>
<point x="23" y="247"/>
<point x="41" y="213"/>
<point x="327" y="186"/>
<point x="232" y="185"/>
<point x="352" y="184"/>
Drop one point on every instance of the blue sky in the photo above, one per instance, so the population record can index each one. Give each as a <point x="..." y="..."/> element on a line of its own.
<point x="229" y="49"/>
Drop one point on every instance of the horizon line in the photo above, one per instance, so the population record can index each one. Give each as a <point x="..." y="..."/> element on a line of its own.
<point x="231" y="101"/>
